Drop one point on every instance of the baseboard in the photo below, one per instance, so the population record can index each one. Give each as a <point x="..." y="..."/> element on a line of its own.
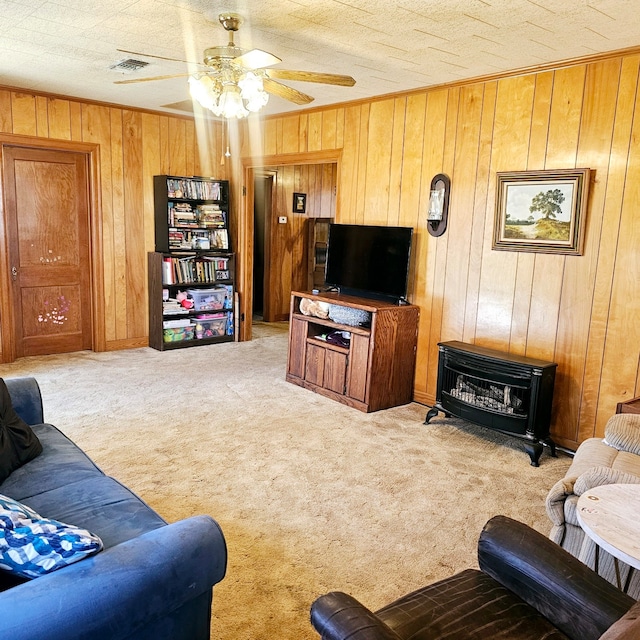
<point x="423" y="398"/>
<point x="133" y="343"/>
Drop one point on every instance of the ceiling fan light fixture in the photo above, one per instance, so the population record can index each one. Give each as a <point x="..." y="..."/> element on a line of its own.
<point x="237" y="82"/>
<point x="230" y="104"/>
<point x="229" y="99"/>
<point x="252" y="92"/>
<point x="204" y="91"/>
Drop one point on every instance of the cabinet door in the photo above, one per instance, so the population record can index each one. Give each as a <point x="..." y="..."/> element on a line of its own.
<point x="326" y="368"/>
<point x="358" y="367"/>
<point x="335" y="371"/>
<point x="314" y="367"/>
<point x="297" y="350"/>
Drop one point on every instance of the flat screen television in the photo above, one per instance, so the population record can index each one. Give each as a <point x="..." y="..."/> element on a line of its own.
<point x="369" y="261"/>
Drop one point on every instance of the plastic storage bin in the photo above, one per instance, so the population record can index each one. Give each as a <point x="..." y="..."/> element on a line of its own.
<point x="211" y="328"/>
<point x="177" y="334"/>
<point x="211" y="299"/>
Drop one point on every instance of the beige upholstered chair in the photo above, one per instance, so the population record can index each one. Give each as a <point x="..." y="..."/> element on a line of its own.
<point x="614" y="459"/>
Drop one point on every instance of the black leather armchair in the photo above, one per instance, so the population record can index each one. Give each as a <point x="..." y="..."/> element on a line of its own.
<point x="527" y="588"/>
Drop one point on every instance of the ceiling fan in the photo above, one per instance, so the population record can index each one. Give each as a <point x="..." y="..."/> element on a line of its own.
<point x="233" y="82"/>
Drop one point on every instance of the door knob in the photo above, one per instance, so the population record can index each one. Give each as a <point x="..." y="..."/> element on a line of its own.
<point x="14" y="273"/>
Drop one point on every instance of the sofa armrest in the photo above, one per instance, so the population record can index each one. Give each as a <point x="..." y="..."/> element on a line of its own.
<point x="556" y="498"/>
<point x="570" y="595"/>
<point x="599" y="476"/>
<point x="338" y="616"/>
<point x="26" y="399"/>
<point x="120" y="591"/>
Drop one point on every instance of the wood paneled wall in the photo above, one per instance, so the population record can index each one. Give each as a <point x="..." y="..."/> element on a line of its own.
<point x="288" y="268"/>
<point x="133" y="147"/>
<point x="579" y="311"/>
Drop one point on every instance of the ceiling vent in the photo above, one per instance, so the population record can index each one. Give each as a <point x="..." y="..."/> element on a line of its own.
<point x="130" y="65"/>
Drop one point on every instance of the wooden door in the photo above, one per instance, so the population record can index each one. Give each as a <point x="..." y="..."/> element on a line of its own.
<point x="47" y="218"/>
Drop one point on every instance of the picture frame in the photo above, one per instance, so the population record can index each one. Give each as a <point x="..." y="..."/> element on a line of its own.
<point x="299" y="202"/>
<point x="541" y="211"/>
<point x="223" y="274"/>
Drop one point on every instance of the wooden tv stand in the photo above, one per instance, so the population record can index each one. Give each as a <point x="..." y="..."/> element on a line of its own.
<point x="374" y="372"/>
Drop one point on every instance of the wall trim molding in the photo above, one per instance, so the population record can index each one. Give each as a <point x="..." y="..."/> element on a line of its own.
<point x="512" y="73"/>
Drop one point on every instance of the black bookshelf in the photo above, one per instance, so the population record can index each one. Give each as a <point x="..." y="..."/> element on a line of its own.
<point x="191" y="272"/>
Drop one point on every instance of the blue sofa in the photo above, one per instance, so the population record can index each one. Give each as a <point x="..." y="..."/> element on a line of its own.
<point x="152" y="580"/>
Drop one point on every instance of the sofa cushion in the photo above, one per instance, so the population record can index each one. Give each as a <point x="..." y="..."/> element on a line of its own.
<point x="60" y="463"/>
<point x="31" y="546"/>
<point x="626" y="462"/>
<point x="65" y="484"/>
<point x="102" y="505"/>
<point x="456" y="606"/>
<point x="18" y="443"/>
<point x="593" y="452"/>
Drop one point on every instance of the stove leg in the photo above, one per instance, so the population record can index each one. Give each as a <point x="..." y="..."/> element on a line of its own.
<point x="552" y="447"/>
<point x="432" y="413"/>
<point x="534" y="449"/>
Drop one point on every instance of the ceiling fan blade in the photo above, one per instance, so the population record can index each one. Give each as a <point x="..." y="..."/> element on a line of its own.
<point x="148" y="55"/>
<point x="256" y="59"/>
<point x="134" y="80"/>
<point x="311" y="76"/>
<point x="281" y="90"/>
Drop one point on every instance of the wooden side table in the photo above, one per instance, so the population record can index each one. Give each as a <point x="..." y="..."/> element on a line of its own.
<point x="609" y="516"/>
<point x="630" y="406"/>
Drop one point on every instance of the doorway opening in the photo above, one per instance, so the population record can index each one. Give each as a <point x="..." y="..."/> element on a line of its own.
<point x="262" y="209"/>
<point x="274" y="251"/>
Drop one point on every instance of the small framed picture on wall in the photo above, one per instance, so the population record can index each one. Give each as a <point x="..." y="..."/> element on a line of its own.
<point x="299" y="203"/>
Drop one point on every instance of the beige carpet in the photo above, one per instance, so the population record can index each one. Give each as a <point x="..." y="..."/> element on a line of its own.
<point x="312" y="496"/>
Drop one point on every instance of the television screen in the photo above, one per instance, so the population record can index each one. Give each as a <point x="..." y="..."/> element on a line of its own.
<point x="370" y="261"/>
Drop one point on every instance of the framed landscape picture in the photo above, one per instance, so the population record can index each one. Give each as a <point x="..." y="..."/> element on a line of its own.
<point x="541" y="211"/>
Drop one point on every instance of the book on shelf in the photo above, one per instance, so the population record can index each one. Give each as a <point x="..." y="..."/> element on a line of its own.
<point x="194" y="269"/>
<point x="193" y="189"/>
<point x="181" y="214"/>
<point x="173" y="307"/>
<point x="178" y="239"/>
<point x="219" y="262"/>
<point x="201" y="239"/>
<point x="172" y="324"/>
<point x="211" y="216"/>
<point x="167" y="271"/>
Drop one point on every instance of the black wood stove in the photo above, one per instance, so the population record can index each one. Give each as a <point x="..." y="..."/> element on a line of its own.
<point x="501" y="391"/>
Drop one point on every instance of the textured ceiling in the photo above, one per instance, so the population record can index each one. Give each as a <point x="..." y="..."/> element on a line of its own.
<point x="68" y="46"/>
